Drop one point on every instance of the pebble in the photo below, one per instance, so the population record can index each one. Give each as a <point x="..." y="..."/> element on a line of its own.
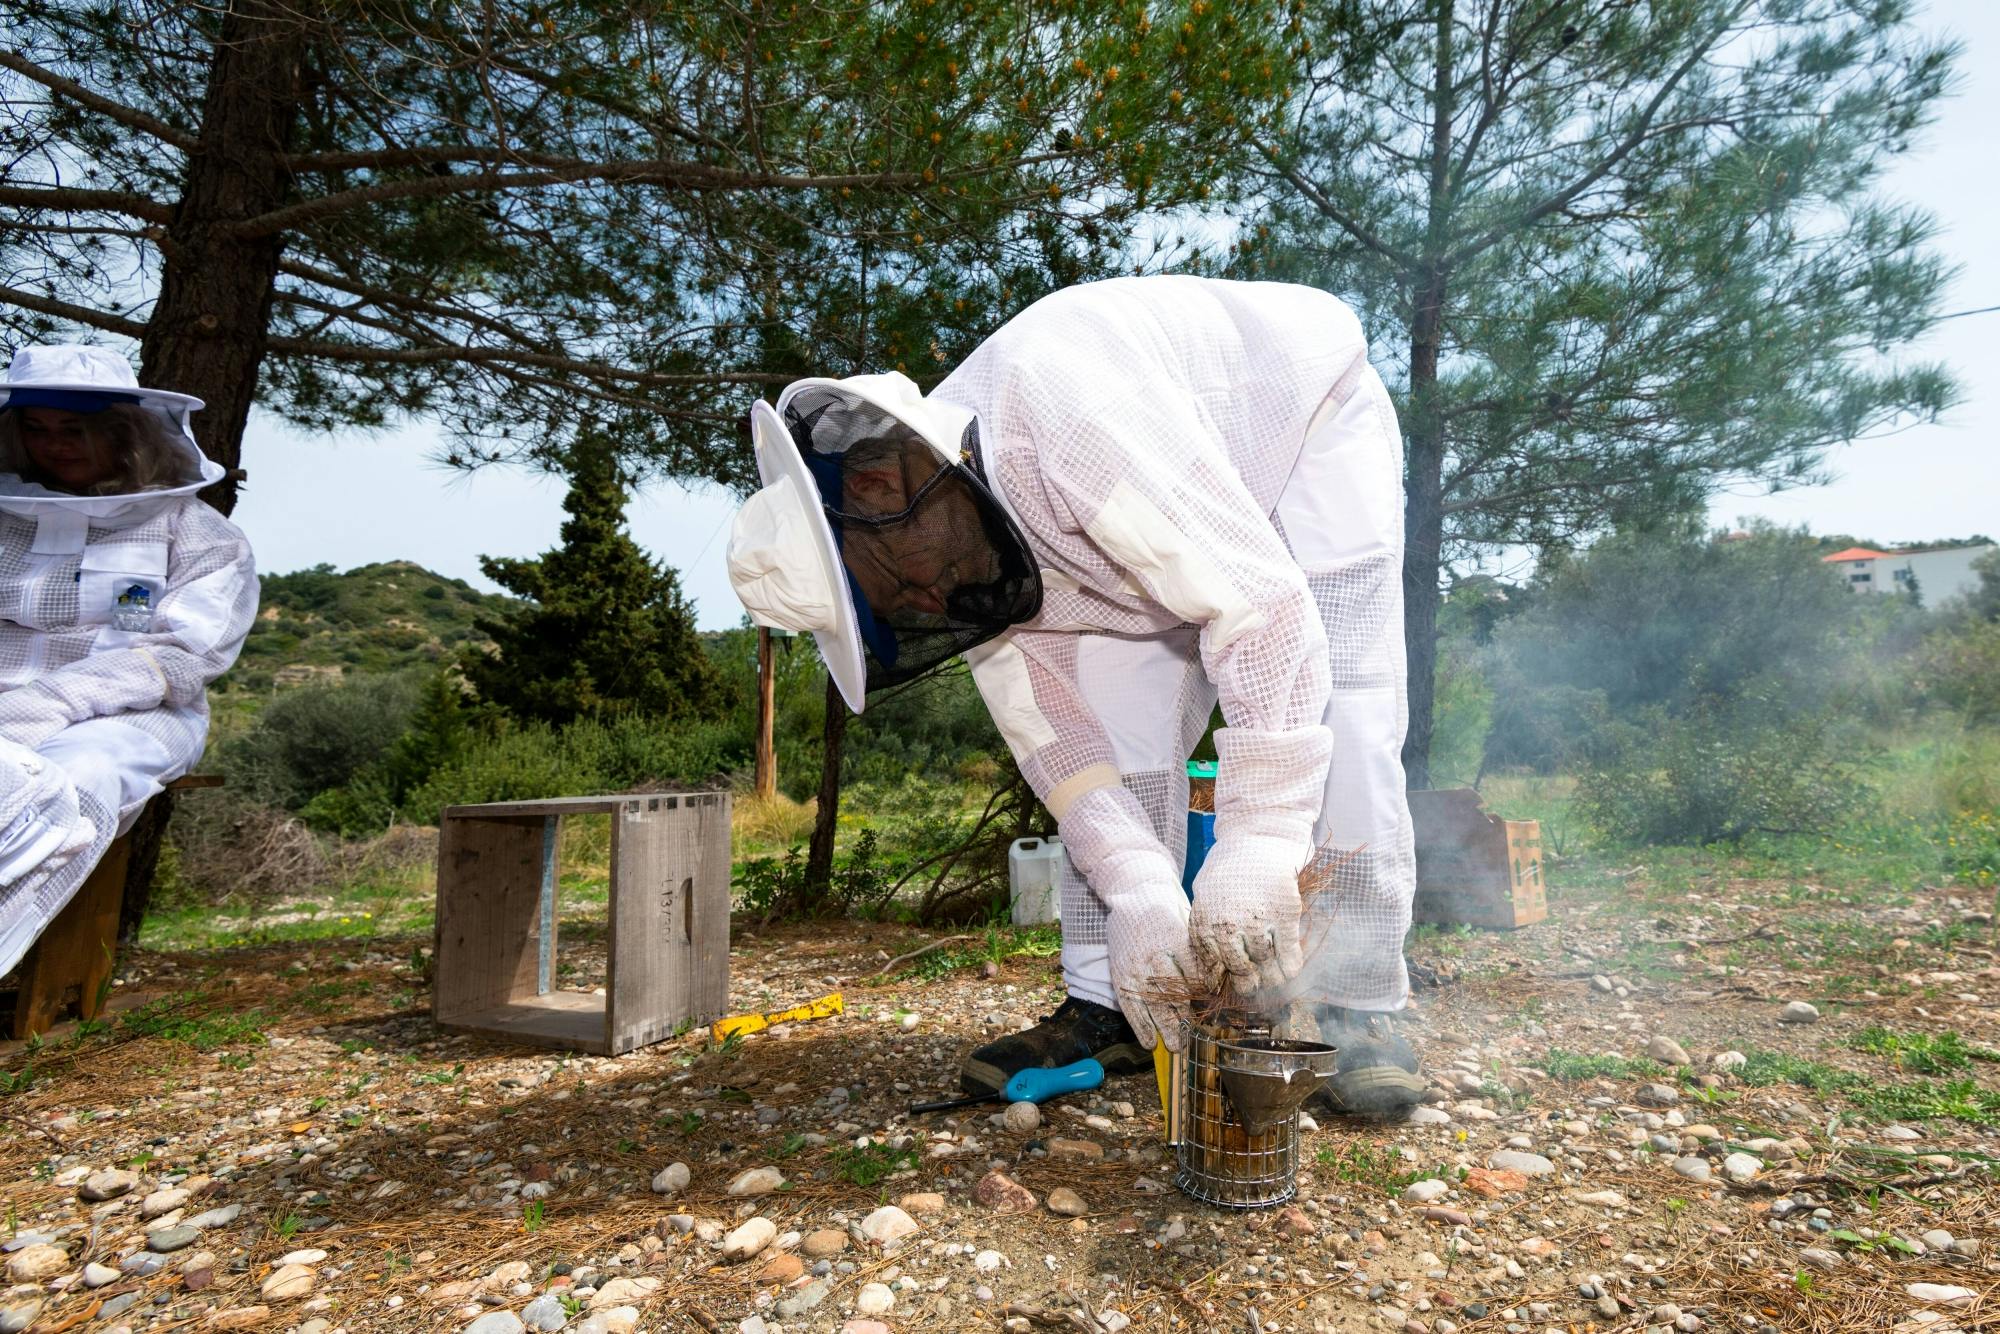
<point x="922" y="1202"/>
<point x="749" y="1239"/>
<point x="1425" y="1192"/>
<point x="222" y="1217"/>
<point x="1821" y="1258"/>
<point x="495" y="1322"/>
<point x="1075" y="1151"/>
<point x="1658" y="1095"/>
<point x="544" y="1313"/>
<point x="874" y="1299"/>
<point x="1527" y="1164"/>
<point x="1066" y="1202"/>
<point x="1694" y="1169"/>
<point x="1023" y="1118"/>
<point x="143" y="1264"/>
<point x="17" y="1316"/>
<point x="1741" y="1167"/>
<point x="312" y="1256"/>
<point x="868" y="1326"/>
<point x="756" y="1181"/>
<point x="163" y="1202"/>
<point x="1429" y="1116"/>
<point x="1938" y="1239"/>
<point x="782" y="1269"/>
<point x="1799" y="1012"/>
<point x="671" y="1179"/>
<point x="623" y="1292"/>
<point x="1004" y="1195"/>
<point x="987" y="1262"/>
<point x="287" y="1283"/>
<point x="824" y="1244"/>
<point x="249" y="1317"/>
<point x="37" y="1263"/>
<point x="172" y="1238"/>
<point x="1726" y="1061"/>
<point x="108" y="1184"/>
<point x="1667" y="1052"/>
<point x="1602" y="1199"/>
<point x="887" y="1224"/>
<point x="803" y="1300"/>
<point x="96" y="1275"/>
<point x="1943" y="1294"/>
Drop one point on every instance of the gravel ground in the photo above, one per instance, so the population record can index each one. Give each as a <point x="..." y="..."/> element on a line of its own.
<point x="1632" y="1126"/>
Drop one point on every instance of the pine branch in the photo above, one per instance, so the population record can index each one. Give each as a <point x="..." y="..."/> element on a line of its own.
<point x="594" y="370"/>
<point x="104" y="106"/>
<point x="71" y="199"/>
<point x="64" y="310"/>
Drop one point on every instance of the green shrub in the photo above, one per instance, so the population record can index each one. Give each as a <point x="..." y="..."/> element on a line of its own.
<point x="1959" y="668"/>
<point x="1720" y="772"/>
<point x="317" y="738"/>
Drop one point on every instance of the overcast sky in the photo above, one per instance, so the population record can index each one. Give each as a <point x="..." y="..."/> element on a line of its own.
<point x="352" y="499"/>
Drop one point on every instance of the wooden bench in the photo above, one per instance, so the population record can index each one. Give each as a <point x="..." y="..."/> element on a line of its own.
<point x="69" y="966"/>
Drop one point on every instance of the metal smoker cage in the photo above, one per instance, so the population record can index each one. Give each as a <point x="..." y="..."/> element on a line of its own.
<point x="1220" y="1162"/>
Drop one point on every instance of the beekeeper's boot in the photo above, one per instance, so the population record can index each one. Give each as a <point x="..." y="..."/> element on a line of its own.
<point x="1375" y="1073"/>
<point x="1077" y="1029"/>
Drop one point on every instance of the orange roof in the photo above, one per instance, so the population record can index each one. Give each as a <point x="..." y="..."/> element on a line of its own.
<point x="1855" y="553"/>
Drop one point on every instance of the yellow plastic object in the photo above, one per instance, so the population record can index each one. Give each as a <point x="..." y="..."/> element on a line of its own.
<point x="822" y="1008"/>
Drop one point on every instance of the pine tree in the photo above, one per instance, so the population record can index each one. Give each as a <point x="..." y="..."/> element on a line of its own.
<point x="606" y="630"/>
<point x="437" y="735"/>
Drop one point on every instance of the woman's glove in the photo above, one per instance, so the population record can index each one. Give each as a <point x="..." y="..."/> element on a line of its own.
<point x="1153" y="970"/>
<point x="1246" y="917"/>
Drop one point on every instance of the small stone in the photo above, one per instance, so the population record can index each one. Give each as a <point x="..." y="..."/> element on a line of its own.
<point x="922" y="1202"/>
<point x="803" y="1300"/>
<point x="108" y="1184"/>
<point x="874" y="1299"/>
<point x="1667" y="1052"/>
<point x="1429" y="1116"/>
<point x="1437" y="1213"/>
<point x="671" y="1179"/>
<point x="312" y="1256"/>
<point x="1292" y="1221"/>
<point x="545" y="1314"/>
<point x="824" y="1244"/>
<point x="988" y="1262"/>
<point x="1493" y="1183"/>
<point x="749" y="1239"/>
<point x="756" y="1181"/>
<point x="623" y="1292"/>
<point x="1694" y="1169"/>
<point x="1527" y="1164"/>
<point x="1075" y="1151"/>
<point x="887" y="1224"/>
<point x="1822" y="1259"/>
<point x="37" y="1263"/>
<point x="172" y="1238"/>
<point x="163" y="1202"/>
<point x="1727" y="1061"/>
<point x="1023" y="1118"/>
<point x="213" y="1218"/>
<point x="1425" y="1192"/>
<point x="142" y="1264"/>
<point x="1900" y="1132"/>
<point x="1967" y="1247"/>
<point x="96" y="1275"/>
<point x="782" y="1269"/>
<point x="1004" y="1195"/>
<point x="1603" y="1199"/>
<point x="1942" y="1294"/>
<point x="1741" y="1167"/>
<point x="287" y="1283"/>
<point x="1607" y="1306"/>
<point x="1067" y="1203"/>
<point x="1799" y="1012"/>
<point x="495" y="1322"/>
<point x="249" y="1317"/>
<point x="868" y="1326"/>
<point x="17" y="1316"/>
<point x="1657" y="1095"/>
<point x="1938" y="1239"/>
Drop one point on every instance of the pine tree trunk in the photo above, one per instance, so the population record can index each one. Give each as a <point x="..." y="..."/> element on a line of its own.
<point x="819" y="855"/>
<point x="206" y="335"/>
<point x="1423" y="468"/>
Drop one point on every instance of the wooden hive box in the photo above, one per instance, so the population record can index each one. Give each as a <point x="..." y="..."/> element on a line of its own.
<point x="668" y="946"/>
<point x="1475" y="868"/>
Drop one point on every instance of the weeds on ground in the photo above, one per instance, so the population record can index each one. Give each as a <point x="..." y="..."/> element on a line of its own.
<point x="1573" y="1067"/>
<point x="168" y="1018"/>
<point x="1912" y="1100"/>
<point x="1370" y="1165"/>
<point x="868" y="1164"/>
<point x="1925" y="1053"/>
<point x="999" y="945"/>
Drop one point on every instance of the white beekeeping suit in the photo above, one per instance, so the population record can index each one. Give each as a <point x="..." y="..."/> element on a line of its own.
<point x="116" y="611"/>
<point x="1210" y="477"/>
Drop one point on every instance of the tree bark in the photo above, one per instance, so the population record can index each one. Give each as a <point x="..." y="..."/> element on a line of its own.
<point x="1423" y="467"/>
<point x="819" y="854"/>
<point x="207" y="333"/>
<point x="767" y="750"/>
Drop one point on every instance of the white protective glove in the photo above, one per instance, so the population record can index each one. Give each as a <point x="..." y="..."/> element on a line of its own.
<point x="1153" y="970"/>
<point x="1268" y="792"/>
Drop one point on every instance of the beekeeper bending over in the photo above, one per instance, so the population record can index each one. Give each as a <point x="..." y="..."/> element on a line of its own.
<point x="122" y="595"/>
<point x="1139" y="496"/>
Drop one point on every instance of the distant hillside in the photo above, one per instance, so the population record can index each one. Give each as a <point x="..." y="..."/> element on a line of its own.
<point x="319" y="624"/>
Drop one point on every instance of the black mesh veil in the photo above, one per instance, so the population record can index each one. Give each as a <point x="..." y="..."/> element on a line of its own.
<point x="934" y="563"/>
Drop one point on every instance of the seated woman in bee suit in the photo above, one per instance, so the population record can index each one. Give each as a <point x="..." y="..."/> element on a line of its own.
<point x="1137" y="497"/>
<point x="122" y="595"/>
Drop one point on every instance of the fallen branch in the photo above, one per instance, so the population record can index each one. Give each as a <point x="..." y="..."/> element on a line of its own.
<point x="900" y="959"/>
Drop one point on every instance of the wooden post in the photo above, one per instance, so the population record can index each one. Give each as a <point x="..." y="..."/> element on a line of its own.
<point x="767" y="711"/>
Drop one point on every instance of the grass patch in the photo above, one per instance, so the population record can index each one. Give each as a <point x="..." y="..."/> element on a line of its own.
<point x="1925" y="1053"/>
<point x="865" y="1166"/>
<point x="1370" y="1165"/>
<point x="1573" y="1067"/>
<point x="1912" y="1100"/>
<point x="169" y="1017"/>
<point x="1000" y="944"/>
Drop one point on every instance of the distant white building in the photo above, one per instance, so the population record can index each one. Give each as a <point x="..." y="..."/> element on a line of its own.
<point x="1938" y="574"/>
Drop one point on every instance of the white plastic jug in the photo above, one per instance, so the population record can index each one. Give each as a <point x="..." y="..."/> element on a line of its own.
<point x="1032" y="864"/>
